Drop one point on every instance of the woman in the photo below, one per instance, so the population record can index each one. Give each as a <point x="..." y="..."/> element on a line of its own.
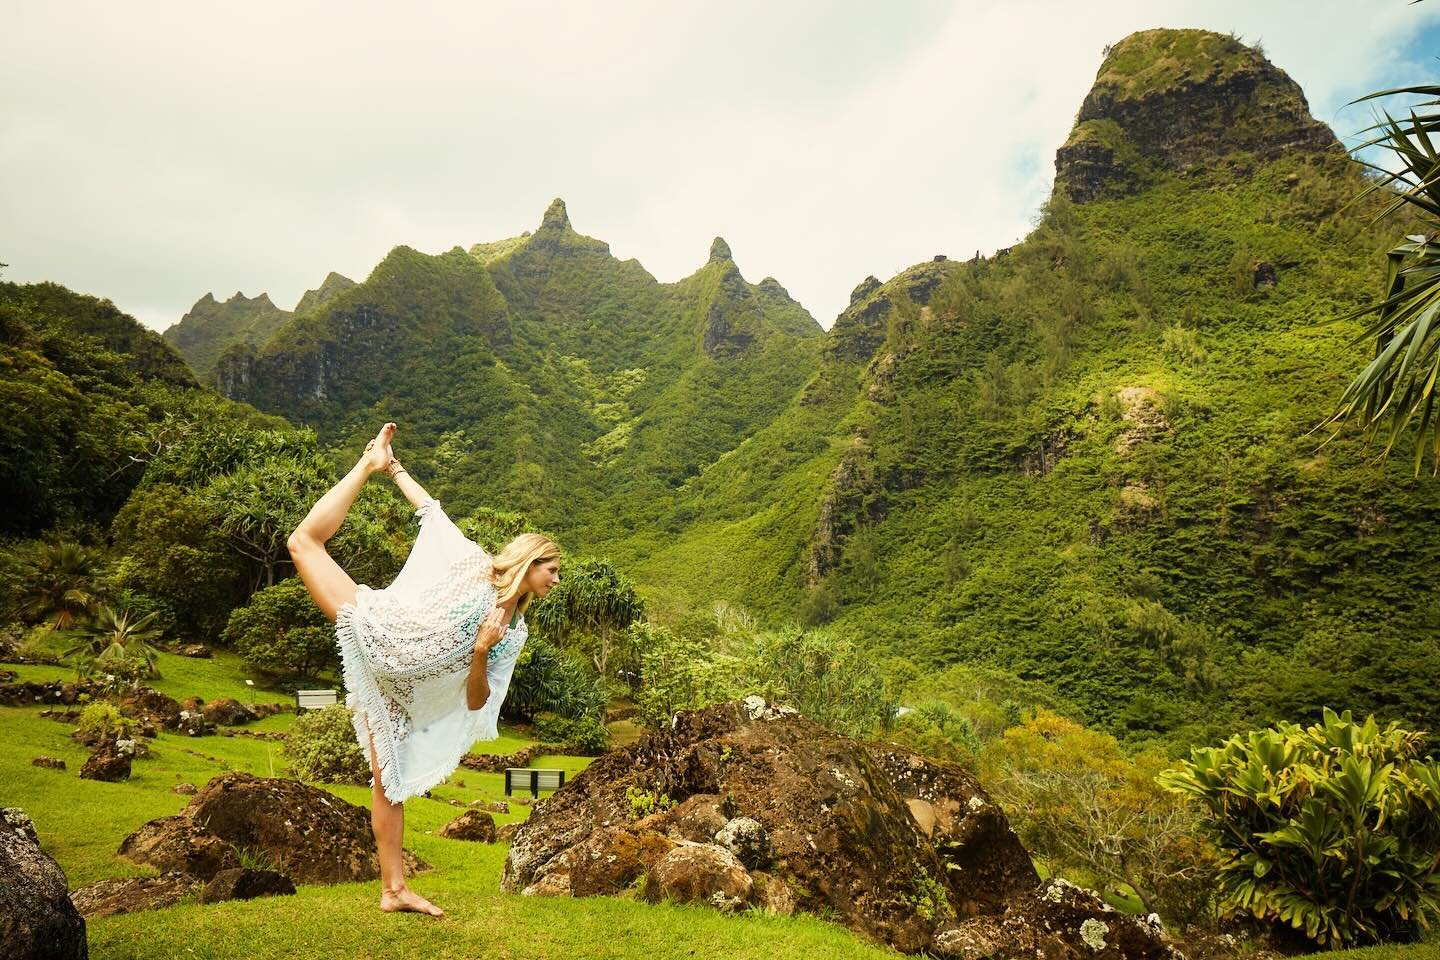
<point x="428" y="659"/>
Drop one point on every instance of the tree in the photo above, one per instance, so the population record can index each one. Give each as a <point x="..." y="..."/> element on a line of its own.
<point x="1398" y="385"/>
<point x="258" y="505"/>
<point x="591" y="605"/>
<point x="1078" y="802"/>
<point x="59" y="584"/>
<point x="282" y="632"/>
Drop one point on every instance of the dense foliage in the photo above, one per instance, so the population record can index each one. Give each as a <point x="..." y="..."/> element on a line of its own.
<point x="321" y="747"/>
<point x="281" y="631"/>
<point x="1333" y="829"/>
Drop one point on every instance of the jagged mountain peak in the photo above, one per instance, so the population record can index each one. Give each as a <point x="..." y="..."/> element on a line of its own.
<point x="556" y="217"/>
<point x="719" y="250"/>
<point x="1178" y="100"/>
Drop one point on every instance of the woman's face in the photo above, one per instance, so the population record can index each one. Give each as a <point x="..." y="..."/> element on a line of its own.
<point x="542" y="577"/>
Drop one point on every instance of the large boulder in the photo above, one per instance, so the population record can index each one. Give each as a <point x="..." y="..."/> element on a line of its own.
<point x="227" y="712"/>
<point x="902" y="849"/>
<point x="37" y="919"/>
<point x="105" y="898"/>
<point x="110" y="762"/>
<point x="152" y="707"/>
<point x="314" y="835"/>
<point x="833" y="812"/>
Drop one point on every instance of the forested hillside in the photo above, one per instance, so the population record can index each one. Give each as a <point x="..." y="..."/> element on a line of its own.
<point x="1089" y="459"/>
<point x="539" y="373"/>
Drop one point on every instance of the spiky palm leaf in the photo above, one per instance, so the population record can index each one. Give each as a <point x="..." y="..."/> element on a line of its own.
<point x="116" y="641"/>
<point x="1398" y="385"/>
<point x="58" y="585"/>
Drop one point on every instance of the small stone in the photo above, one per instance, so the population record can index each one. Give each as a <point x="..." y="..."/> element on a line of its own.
<point x="472" y="825"/>
<point x="184" y="789"/>
<point x="747" y="839"/>
<point x="54" y="763"/>
<point x="242" y="883"/>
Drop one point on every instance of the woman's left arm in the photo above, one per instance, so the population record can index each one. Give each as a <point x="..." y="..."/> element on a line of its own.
<point x="477" y="684"/>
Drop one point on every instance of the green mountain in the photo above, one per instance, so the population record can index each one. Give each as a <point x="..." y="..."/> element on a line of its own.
<point x="540" y="373"/>
<point x="82" y="389"/>
<point x="211" y="327"/>
<point x="1089" y="459"/>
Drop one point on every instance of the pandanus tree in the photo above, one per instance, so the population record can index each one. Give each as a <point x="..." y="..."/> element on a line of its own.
<point x="1396" y="389"/>
<point x="590" y="607"/>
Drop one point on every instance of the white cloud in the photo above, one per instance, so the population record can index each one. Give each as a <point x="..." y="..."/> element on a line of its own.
<point x="156" y="151"/>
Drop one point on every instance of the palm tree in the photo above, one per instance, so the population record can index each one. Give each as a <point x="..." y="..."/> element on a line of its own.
<point x="58" y="585"/>
<point x="1398" y="385"/>
<point x="116" y="642"/>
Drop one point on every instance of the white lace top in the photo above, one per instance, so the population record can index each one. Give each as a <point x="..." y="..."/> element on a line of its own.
<point x="406" y="654"/>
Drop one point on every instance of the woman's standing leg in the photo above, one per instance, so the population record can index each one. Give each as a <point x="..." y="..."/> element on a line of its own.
<point x="388" y="821"/>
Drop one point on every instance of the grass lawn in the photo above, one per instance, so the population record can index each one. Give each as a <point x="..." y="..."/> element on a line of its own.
<point x="81" y="823"/>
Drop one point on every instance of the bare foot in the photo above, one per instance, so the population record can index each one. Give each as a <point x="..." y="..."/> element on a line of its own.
<point x="377" y="454"/>
<point x="406" y="899"/>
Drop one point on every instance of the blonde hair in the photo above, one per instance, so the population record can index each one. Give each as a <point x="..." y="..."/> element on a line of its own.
<point x="513" y="562"/>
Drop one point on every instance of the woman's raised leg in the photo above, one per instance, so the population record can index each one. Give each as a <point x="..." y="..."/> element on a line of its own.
<point x="329" y="585"/>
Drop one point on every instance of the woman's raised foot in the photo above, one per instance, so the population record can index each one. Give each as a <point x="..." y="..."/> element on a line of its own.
<point x="377" y="452"/>
<point x="405" y="899"/>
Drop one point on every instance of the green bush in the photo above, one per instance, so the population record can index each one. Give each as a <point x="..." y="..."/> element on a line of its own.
<point x="322" y="747"/>
<point x="102" y="721"/>
<point x="585" y="733"/>
<point x="1333" y="828"/>
<point x="283" y="633"/>
<point x="546" y="679"/>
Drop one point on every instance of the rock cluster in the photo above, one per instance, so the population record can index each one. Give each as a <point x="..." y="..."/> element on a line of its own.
<point x="750" y="804"/>
<point x="28" y="692"/>
<point x="37" y="919"/>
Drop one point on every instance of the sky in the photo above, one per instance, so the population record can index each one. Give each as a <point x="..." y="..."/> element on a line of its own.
<point x="151" y="152"/>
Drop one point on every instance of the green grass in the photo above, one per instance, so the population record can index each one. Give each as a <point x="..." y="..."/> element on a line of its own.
<point x="82" y="822"/>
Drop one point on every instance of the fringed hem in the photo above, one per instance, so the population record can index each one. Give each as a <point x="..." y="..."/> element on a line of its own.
<point x="368" y="701"/>
<point x="364" y="700"/>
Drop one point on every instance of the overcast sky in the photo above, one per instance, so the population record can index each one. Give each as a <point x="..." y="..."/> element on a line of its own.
<point x="154" y="151"/>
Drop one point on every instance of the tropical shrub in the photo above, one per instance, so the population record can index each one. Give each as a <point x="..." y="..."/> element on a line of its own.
<point x="1080" y="804"/>
<point x="282" y="632"/>
<point x="115" y="642"/>
<point x="103" y="721"/>
<point x="1333" y="829"/>
<point x="677" y="672"/>
<point x="586" y="734"/>
<point x="547" y="679"/>
<point x="321" y="747"/>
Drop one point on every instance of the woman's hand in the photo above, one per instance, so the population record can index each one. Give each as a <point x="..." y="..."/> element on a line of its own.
<point x="492" y="628"/>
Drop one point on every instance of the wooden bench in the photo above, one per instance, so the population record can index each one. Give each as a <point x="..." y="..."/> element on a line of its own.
<point x="535" y="780"/>
<point x="314" y="699"/>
